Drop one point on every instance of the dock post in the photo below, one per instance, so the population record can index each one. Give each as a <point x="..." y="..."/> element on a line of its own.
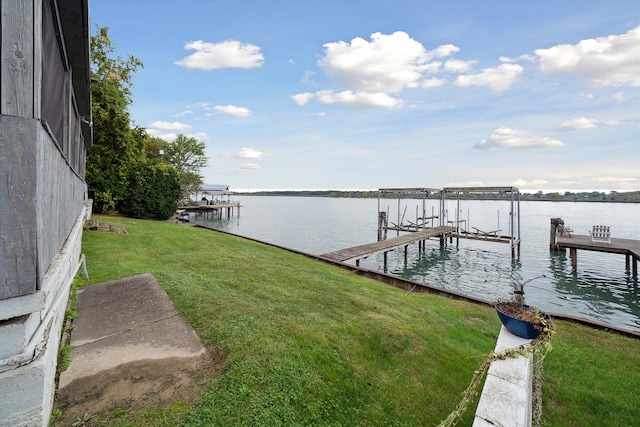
<point x="382" y="223"/>
<point x="635" y="267"/>
<point x="405" y="254"/>
<point x="385" y="262"/>
<point x="627" y="261"/>
<point x="574" y="259"/>
<point x="553" y="245"/>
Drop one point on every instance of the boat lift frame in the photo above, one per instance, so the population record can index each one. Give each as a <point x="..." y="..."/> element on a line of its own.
<point x="512" y="193"/>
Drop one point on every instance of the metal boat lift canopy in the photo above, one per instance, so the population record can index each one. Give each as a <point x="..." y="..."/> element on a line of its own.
<point x="512" y="193"/>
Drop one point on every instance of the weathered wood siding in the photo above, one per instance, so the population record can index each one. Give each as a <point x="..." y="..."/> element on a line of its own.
<point x="18" y="248"/>
<point x="60" y="197"/>
<point x="42" y="187"/>
<point x="17" y="79"/>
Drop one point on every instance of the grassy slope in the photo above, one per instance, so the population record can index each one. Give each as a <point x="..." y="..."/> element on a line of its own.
<point x="311" y="344"/>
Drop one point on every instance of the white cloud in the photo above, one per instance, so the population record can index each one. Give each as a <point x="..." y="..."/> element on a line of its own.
<point x="200" y="136"/>
<point x="201" y="104"/>
<point x="369" y="72"/>
<point x="250" y="167"/>
<point x="498" y="79"/>
<point x="516" y="139"/>
<point x="576" y="124"/>
<point x="457" y="66"/>
<point x="603" y="61"/>
<point x="529" y="58"/>
<point x="232" y="110"/>
<point x="169" y="137"/>
<point x="183" y="113"/>
<point x="584" y="123"/>
<point x="358" y="99"/>
<point x="302" y="98"/>
<point x="445" y="50"/>
<point x="386" y="64"/>
<point x="619" y="97"/>
<point x="308" y="78"/>
<point x="226" y="54"/>
<point x="432" y="82"/>
<point x="160" y="125"/>
<point x="251" y="153"/>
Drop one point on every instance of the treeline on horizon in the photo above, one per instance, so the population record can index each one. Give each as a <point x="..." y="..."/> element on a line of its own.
<point x="567" y="196"/>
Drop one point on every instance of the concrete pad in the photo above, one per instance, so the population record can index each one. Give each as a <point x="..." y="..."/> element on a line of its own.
<point x="125" y="321"/>
<point x="114" y="307"/>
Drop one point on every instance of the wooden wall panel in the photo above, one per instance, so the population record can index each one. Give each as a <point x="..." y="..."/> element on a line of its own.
<point x="18" y="248"/>
<point x="60" y="194"/>
<point x="17" y="58"/>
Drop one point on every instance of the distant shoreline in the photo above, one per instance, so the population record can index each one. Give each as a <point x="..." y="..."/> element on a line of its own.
<point x="593" y="196"/>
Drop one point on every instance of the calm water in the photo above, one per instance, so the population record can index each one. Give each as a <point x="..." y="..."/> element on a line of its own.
<point x="602" y="289"/>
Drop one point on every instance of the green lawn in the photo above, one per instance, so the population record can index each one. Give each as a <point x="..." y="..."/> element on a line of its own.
<point x="311" y="344"/>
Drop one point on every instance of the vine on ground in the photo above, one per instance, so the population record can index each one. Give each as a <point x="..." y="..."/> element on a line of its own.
<point x="539" y="348"/>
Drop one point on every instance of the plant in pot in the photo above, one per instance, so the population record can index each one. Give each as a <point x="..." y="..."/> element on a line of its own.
<point x="519" y="318"/>
<point x="526" y="322"/>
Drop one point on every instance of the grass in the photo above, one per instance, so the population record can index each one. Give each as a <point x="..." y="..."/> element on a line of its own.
<point x="313" y="344"/>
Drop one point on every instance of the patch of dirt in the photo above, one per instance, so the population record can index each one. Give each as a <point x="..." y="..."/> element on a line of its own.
<point x="97" y="225"/>
<point x="141" y="385"/>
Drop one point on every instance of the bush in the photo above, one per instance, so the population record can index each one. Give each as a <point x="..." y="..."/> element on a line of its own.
<point x="152" y="191"/>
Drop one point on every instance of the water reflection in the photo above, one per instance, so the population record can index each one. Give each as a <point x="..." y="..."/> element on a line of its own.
<point x="485" y="274"/>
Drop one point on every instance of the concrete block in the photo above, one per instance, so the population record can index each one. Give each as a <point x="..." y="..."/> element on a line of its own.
<point x="506" y="398"/>
<point x="503" y="404"/>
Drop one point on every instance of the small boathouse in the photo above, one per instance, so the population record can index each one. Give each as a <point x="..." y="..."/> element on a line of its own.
<point x="214" y="199"/>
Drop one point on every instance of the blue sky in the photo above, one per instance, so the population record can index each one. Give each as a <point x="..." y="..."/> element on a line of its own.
<point x="542" y="95"/>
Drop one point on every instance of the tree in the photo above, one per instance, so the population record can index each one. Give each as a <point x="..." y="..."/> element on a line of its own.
<point x="153" y="146"/>
<point x="187" y="155"/>
<point x="115" y="145"/>
<point x="119" y="175"/>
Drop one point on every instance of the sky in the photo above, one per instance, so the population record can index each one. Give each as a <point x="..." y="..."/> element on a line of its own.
<point x="315" y="95"/>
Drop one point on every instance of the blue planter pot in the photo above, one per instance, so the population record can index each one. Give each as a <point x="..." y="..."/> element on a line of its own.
<point x="519" y="327"/>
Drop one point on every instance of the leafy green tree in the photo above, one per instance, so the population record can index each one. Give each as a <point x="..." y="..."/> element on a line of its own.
<point x="120" y="174"/>
<point x="153" y="146"/>
<point x="187" y="155"/>
<point x="115" y="144"/>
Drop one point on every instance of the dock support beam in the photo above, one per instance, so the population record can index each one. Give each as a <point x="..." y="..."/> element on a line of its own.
<point x="574" y="259"/>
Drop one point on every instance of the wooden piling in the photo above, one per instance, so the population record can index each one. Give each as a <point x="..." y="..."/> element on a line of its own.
<point x="553" y="233"/>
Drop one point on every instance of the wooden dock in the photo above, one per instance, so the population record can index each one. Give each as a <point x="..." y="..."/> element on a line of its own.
<point x="628" y="247"/>
<point x="211" y="207"/>
<point x="363" y="251"/>
<point x="216" y="208"/>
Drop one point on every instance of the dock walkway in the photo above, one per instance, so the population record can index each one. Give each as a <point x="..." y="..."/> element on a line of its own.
<point x="628" y="247"/>
<point x="363" y="251"/>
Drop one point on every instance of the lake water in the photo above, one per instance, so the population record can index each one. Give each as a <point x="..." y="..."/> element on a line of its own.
<point x="601" y="289"/>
